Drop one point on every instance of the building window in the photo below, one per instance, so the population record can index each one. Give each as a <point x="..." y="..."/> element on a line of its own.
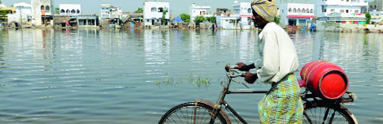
<point x="346" y="11"/>
<point x="47" y="8"/>
<point x="289" y="9"/>
<point x="67" y="11"/>
<point x="303" y="11"/>
<point x="299" y="10"/>
<point x="356" y="11"/>
<point x="78" y="11"/>
<point x="311" y="11"/>
<point x="154" y="9"/>
<point x="341" y="11"/>
<point x="295" y="10"/>
<point x="249" y="10"/>
<point x="73" y="11"/>
<point x="147" y="20"/>
<point x="160" y="9"/>
<point x="307" y="10"/>
<point x="62" y="11"/>
<point x="42" y="7"/>
<point x="332" y="10"/>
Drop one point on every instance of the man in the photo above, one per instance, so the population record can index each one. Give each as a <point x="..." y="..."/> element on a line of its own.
<point x="282" y="104"/>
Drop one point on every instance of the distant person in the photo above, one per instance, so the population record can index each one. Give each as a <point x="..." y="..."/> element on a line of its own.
<point x="279" y="61"/>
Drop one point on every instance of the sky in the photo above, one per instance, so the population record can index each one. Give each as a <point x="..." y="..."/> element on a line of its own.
<point x="176" y="6"/>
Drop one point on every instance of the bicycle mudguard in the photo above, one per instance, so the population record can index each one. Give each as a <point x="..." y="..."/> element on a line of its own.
<point x="349" y="113"/>
<point x="214" y="106"/>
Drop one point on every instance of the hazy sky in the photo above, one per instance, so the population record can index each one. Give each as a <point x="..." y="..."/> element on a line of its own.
<point x="176" y="6"/>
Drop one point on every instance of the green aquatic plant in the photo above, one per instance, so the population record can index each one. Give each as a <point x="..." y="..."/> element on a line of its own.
<point x="191" y="79"/>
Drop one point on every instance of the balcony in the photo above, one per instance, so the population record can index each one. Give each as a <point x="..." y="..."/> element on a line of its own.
<point x="343" y="3"/>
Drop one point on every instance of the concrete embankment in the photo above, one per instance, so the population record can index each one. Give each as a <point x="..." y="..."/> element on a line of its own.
<point x="348" y="28"/>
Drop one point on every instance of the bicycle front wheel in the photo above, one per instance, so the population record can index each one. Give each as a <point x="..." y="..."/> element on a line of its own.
<point x="322" y="114"/>
<point x="190" y="113"/>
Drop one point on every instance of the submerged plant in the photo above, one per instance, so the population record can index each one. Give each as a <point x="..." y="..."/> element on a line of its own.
<point x="191" y="79"/>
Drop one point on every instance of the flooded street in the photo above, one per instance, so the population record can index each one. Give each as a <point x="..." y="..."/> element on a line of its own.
<point x="135" y="76"/>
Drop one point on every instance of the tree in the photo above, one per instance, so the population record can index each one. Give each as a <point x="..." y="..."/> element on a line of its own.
<point x="212" y="19"/>
<point x="185" y="17"/>
<point x="164" y="16"/>
<point x="277" y="20"/>
<point x="199" y="19"/>
<point x="139" y="10"/>
<point x="3" y="15"/>
<point x="57" y="11"/>
<point x="368" y="17"/>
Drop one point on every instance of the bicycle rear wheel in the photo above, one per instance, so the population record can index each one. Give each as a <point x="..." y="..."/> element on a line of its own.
<point x="322" y="114"/>
<point x="190" y="113"/>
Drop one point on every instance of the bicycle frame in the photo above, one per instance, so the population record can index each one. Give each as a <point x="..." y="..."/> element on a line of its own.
<point x="221" y="101"/>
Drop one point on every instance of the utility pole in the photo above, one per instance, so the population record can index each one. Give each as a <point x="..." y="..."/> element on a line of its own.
<point x="21" y="19"/>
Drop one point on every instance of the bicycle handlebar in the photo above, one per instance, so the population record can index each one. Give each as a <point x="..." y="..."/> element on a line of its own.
<point x="233" y="73"/>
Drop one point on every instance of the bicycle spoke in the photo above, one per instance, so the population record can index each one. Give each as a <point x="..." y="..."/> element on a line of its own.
<point x="325" y="115"/>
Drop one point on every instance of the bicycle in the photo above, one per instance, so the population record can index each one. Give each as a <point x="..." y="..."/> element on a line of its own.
<point x="202" y="111"/>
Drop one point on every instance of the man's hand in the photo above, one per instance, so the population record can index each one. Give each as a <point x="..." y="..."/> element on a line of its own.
<point x="250" y="77"/>
<point x="243" y="67"/>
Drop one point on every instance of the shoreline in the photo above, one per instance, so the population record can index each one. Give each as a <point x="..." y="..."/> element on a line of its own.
<point x="340" y="28"/>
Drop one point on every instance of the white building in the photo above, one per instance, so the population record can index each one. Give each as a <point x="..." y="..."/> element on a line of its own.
<point x="296" y="14"/>
<point x="244" y="12"/>
<point x="227" y="22"/>
<point x="341" y="11"/>
<point x="153" y="12"/>
<point x="42" y="12"/>
<point x="199" y="10"/>
<point x="70" y="9"/>
<point x="23" y="13"/>
<point x="109" y="12"/>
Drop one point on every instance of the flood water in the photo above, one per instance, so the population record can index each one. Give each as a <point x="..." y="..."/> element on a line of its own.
<point x="135" y="76"/>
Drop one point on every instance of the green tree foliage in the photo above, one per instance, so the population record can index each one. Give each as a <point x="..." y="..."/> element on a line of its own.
<point x="368" y="17"/>
<point x="185" y="17"/>
<point x="164" y="17"/>
<point x="57" y="11"/>
<point x="212" y="19"/>
<point x="277" y="20"/>
<point x="3" y="15"/>
<point x="199" y="19"/>
<point x="139" y="10"/>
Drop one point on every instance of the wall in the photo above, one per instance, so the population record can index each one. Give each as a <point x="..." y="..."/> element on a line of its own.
<point x="148" y="14"/>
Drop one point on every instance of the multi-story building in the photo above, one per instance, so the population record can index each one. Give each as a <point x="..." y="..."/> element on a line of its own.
<point x="153" y="12"/>
<point x="341" y="11"/>
<point x="376" y="5"/>
<point x="244" y="12"/>
<point x="199" y="10"/>
<point x="22" y="15"/>
<point x="70" y="9"/>
<point x="42" y="12"/>
<point x="297" y="14"/>
<point x="110" y="12"/>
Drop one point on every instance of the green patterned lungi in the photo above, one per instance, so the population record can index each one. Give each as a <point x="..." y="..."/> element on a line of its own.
<point x="282" y="104"/>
